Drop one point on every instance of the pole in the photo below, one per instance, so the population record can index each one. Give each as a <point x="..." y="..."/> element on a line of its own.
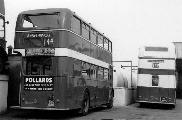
<point x="131" y="76"/>
<point x="131" y="66"/>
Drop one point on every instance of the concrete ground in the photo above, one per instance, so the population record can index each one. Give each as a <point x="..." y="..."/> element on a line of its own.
<point x="131" y="112"/>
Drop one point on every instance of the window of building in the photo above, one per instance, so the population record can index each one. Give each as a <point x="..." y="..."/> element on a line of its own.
<point x="75" y="25"/>
<point x="85" y="31"/>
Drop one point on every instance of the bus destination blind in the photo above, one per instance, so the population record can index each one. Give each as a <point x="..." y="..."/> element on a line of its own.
<point x="40" y="51"/>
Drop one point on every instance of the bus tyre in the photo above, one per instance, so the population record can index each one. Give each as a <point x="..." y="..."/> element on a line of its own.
<point x="173" y="106"/>
<point x="110" y="103"/>
<point x="85" y="104"/>
<point x="1" y="65"/>
<point x="142" y="105"/>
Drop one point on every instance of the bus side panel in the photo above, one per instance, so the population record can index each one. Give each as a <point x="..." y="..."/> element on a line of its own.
<point x="61" y="84"/>
<point x="69" y="88"/>
<point x="77" y="84"/>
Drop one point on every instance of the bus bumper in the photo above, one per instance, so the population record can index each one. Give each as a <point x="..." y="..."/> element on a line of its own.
<point x="156" y="95"/>
<point x="35" y="108"/>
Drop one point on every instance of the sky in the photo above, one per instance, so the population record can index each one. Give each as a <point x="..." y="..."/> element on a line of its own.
<point x="129" y="24"/>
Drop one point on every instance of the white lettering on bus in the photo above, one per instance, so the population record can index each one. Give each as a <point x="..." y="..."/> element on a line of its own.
<point x="38" y="80"/>
<point x="41" y="35"/>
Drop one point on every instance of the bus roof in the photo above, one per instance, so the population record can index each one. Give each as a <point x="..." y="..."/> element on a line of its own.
<point x="48" y="10"/>
<point x="2" y="11"/>
<point x="57" y="10"/>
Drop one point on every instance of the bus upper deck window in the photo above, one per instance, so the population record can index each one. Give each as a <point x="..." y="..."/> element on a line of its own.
<point x="41" y="21"/>
<point x="1" y="27"/>
<point x="27" y="24"/>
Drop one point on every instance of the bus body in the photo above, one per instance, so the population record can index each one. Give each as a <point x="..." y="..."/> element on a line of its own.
<point x="62" y="61"/>
<point x="156" y="76"/>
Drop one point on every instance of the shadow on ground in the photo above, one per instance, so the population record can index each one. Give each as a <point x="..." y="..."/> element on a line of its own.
<point x="156" y="106"/>
<point x="43" y="114"/>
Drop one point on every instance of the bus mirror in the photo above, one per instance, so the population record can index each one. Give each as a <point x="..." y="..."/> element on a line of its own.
<point x="114" y="70"/>
<point x="121" y="66"/>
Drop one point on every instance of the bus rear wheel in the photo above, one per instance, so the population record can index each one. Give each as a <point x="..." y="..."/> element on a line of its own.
<point x="85" y="104"/>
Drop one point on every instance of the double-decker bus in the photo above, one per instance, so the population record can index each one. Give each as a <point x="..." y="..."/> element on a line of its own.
<point x="62" y="63"/>
<point x="156" y="75"/>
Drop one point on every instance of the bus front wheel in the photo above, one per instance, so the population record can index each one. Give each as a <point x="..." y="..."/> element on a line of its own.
<point x="85" y="104"/>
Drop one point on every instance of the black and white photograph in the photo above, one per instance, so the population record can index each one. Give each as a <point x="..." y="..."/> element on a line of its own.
<point x="91" y="60"/>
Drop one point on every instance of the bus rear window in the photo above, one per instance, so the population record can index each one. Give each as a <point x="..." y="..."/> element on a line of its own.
<point x="40" y="21"/>
<point x="38" y="66"/>
<point x="161" y="49"/>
